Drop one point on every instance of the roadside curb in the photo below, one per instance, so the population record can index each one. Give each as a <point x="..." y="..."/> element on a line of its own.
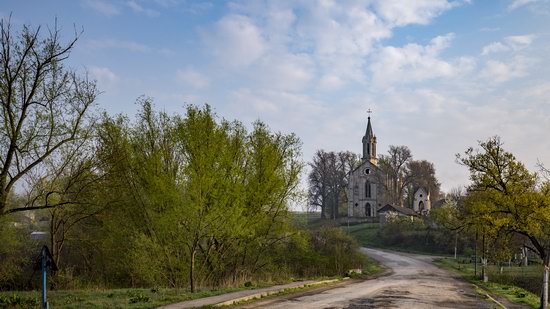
<point x="268" y="293"/>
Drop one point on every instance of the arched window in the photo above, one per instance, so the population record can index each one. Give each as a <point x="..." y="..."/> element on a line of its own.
<point x="421" y="206"/>
<point x="367" y="189"/>
<point x="368" y="211"/>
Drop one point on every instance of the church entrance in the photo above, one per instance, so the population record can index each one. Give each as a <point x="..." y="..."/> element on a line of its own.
<point x="368" y="212"/>
<point x="421" y="206"/>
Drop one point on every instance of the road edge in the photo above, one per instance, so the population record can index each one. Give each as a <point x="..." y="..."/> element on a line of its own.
<point x="260" y="295"/>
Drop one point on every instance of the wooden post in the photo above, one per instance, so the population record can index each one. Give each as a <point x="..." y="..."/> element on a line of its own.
<point x="544" y="300"/>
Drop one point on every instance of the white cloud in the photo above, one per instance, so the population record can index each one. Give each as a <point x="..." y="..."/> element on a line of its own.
<point x="103" y="7"/>
<point x="104" y="76"/>
<point x="269" y="40"/>
<point x="192" y="78"/>
<point x="330" y="82"/>
<point x="126" y="45"/>
<point x="112" y="43"/>
<point x="518" y="42"/>
<point x="494" y="47"/>
<point x="510" y="43"/>
<point x="400" y="13"/>
<point x="497" y="72"/>
<point x="137" y="8"/>
<point x="412" y="63"/>
<point x="519" y="3"/>
<point x="287" y="72"/>
<point x="235" y="41"/>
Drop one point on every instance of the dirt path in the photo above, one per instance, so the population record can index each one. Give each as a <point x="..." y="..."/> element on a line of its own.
<point x="414" y="283"/>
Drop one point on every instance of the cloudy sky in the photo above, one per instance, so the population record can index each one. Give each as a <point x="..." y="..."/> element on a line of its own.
<point x="439" y="75"/>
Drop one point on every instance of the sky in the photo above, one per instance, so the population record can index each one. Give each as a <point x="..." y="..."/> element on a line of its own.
<point x="438" y="75"/>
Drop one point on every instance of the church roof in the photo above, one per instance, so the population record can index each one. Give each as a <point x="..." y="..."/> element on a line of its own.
<point x="402" y="210"/>
<point x="362" y="164"/>
<point x="369" y="132"/>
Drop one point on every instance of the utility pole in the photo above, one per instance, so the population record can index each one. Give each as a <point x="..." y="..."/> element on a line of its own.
<point x="475" y="256"/>
<point x="456" y="241"/>
<point x="484" y="275"/>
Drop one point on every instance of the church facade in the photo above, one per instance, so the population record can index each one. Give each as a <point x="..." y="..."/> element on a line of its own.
<point x="365" y="192"/>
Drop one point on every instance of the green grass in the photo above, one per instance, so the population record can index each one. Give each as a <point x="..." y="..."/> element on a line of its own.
<point x="500" y="287"/>
<point x="307" y="220"/>
<point x="372" y="267"/>
<point x="367" y="236"/>
<point x="111" y="298"/>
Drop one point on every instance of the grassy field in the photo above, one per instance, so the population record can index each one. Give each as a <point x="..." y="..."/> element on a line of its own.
<point x="518" y="284"/>
<point x="110" y="298"/>
<point x="307" y="220"/>
<point x="367" y="235"/>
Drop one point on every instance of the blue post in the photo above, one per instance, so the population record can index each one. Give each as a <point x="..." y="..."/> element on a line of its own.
<point x="44" y="303"/>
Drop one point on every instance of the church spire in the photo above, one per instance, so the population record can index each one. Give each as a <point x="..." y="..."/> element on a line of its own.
<point x="369" y="143"/>
<point x="369" y="133"/>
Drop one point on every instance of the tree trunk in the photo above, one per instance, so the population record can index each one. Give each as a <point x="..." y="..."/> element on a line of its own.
<point x="3" y="196"/>
<point x="192" y="268"/>
<point x="323" y="208"/>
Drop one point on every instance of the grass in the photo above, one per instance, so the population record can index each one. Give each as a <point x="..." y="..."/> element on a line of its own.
<point x="307" y="220"/>
<point x="108" y="298"/>
<point x="367" y="236"/>
<point x="138" y="298"/>
<point x="371" y="268"/>
<point x="500" y="287"/>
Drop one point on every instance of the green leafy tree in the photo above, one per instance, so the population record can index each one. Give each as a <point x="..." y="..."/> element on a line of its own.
<point x="505" y="197"/>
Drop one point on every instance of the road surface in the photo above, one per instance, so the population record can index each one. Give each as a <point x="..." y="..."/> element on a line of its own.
<point x="414" y="283"/>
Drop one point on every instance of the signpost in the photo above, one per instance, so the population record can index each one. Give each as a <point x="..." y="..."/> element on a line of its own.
<point x="45" y="261"/>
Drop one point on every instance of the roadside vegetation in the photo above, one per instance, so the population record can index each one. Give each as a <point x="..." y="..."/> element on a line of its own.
<point x="108" y="298"/>
<point x="517" y="284"/>
<point x="412" y="237"/>
<point x="143" y="211"/>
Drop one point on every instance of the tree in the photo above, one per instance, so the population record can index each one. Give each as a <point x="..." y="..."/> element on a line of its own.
<point x="198" y="201"/>
<point x="422" y="175"/>
<point x="396" y="176"/>
<point x="328" y="178"/>
<point x="505" y="197"/>
<point x="44" y="106"/>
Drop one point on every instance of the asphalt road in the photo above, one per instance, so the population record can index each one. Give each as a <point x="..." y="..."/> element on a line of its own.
<point x="414" y="283"/>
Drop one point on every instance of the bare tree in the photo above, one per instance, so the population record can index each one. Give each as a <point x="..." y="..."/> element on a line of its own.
<point x="328" y="179"/>
<point x="422" y="175"/>
<point x="396" y="176"/>
<point x="44" y="106"/>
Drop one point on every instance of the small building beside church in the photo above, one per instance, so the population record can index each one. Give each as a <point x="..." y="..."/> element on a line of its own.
<point x="422" y="203"/>
<point x="389" y="211"/>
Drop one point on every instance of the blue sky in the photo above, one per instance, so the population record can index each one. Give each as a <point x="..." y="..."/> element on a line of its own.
<point x="439" y="75"/>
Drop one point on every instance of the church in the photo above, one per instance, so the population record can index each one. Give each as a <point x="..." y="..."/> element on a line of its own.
<point x="366" y="196"/>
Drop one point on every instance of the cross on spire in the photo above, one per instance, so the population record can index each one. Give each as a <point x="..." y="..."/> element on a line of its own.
<point x="369" y="111"/>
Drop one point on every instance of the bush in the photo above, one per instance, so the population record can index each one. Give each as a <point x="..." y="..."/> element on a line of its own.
<point x="139" y="298"/>
<point x="17" y="302"/>
<point x="339" y="250"/>
<point x="17" y="252"/>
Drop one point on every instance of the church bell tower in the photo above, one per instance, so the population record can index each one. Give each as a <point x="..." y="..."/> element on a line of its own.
<point x="369" y="144"/>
